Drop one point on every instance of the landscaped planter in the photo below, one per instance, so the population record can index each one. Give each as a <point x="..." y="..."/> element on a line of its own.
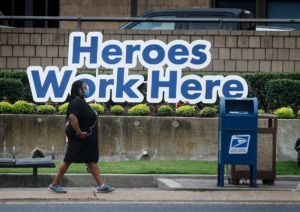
<point x="126" y="137"/>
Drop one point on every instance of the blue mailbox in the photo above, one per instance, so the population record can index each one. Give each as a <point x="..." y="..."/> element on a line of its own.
<point x="237" y="136"/>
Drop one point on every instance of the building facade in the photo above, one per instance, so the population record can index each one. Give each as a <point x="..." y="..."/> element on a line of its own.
<point x="125" y="8"/>
<point x="232" y="50"/>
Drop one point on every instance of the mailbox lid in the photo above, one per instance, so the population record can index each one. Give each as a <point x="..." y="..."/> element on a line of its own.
<point x="238" y="107"/>
<point x="238" y="114"/>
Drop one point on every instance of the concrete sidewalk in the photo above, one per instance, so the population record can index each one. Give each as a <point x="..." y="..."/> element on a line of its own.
<point x="143" y="195"/>
<point x="150" y="188"/>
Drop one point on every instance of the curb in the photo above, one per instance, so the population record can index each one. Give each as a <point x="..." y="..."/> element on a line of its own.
<point x="173" y="185"/>
<point x="168" y="184"/>
<point x="86" y="180"/>
<point x="161" y="181"/>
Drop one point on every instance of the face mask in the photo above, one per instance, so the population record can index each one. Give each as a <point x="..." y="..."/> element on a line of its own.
<point x="86" y="93"/>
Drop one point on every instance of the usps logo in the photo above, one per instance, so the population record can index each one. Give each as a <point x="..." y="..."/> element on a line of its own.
<point x="239" y="144"/>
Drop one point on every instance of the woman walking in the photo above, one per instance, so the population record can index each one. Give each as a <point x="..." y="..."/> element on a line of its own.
<point x="82" y="133"/>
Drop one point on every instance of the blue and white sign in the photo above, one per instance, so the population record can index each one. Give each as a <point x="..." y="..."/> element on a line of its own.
<point x="239" y="144"/>
<point x="163" y="61"/>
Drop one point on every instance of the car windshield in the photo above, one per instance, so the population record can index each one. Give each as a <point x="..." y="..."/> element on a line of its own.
<point x="203" y="24"/>
<point x="156" y="25"/>
<point x="273" y="28"/>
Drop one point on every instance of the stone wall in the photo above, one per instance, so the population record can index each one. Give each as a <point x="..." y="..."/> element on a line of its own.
<point x="126" y="137"/>
<point x="232" y="51"/>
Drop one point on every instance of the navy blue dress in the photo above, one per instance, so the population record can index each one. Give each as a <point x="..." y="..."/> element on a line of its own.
<point x="82" y="150"/>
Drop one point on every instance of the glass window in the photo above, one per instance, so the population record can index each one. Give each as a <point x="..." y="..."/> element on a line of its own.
<point x="284" y="9"/>
<point x="245" y="4"/>
<point x="156" y="25"/>
<point x="31" y="8"/>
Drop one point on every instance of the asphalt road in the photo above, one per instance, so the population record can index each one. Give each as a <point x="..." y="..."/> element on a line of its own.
<point x="145" y="206"/>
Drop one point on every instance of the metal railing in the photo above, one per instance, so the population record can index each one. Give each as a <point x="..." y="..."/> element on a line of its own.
<point x="79" y="20"/>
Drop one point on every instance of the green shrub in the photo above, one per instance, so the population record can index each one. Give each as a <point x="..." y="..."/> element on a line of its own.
<point x="283" y="93"/>
<point x="45" y="109"/>
<point x="186" y="110"/>
<point x="5" y="107"/>
<point x="22" y="76"/>
<point x="164" y="110"/>
<point x="139" y="110"/>
<point x="11" y="89"/>
<point x="117" y="110"/>
<point x="298" y="113"/>
<point x="257" y="83"/>
<point x="208" y="112"/>
<point x="284" y="113"/>
<point x="260" y="111"/>
<point x="23" y="107"/>
<point x="62" y="110"/>
<point x="97" y="107"/>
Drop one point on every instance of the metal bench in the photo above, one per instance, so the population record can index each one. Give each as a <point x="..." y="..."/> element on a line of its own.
<point x="35" y="163"/>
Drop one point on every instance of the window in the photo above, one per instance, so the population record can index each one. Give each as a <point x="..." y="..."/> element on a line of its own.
<point x="284" y="9"/>
<point x="245" y="4"/>
<point x="31" y="8"/>
<point x="156" y="25"/>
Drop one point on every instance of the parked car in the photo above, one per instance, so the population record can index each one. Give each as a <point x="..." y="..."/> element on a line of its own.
<point x="193" y="13"/>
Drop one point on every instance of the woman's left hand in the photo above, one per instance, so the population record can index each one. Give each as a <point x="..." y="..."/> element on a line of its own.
<point x="82" y="135"/>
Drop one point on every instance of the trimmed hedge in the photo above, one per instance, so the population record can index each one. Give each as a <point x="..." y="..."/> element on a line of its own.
<point x="22" y="76"/>
<point x="45" y="109"/>
<point x="257" y="83"/>
<point x="208" y="112"/>
<point x="260" y="86"/>
<point x="139" y="110"/>
<point x="283" y="93"/>
<point x="284" y="113"/>
<point x="11" y="89"/>
<point x="164" y="110"/>
<point x="5" y="107"/>
<point x="23" y="107"/>
<point x="186" y="110"/>
<point x="97" y="107"/>
<point x="117" y="110"/>
<point x="62" y="109"/>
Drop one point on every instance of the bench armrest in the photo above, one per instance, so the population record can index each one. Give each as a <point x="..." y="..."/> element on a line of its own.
<point x="14" y="152"/>
<point x="53" y="153"/>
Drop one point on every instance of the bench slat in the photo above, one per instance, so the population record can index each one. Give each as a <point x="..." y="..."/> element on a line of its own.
<point x="7" y="162"/>
<point x="33" y="163"/>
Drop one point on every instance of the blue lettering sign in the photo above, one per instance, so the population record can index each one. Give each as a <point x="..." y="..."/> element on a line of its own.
<point x="159" y="85"/>
<point x="162" y="84"/>
<point x="50" y="84"/>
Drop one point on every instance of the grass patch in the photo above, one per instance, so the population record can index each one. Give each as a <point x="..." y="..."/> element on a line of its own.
<point x="287" y="168"/>
<point x="156" y="167"/>
<point x="160" y="167"/>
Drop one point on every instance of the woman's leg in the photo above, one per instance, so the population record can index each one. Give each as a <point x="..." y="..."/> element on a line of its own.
<point x="61" y="171"/>
<point x="96" y="173"/>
